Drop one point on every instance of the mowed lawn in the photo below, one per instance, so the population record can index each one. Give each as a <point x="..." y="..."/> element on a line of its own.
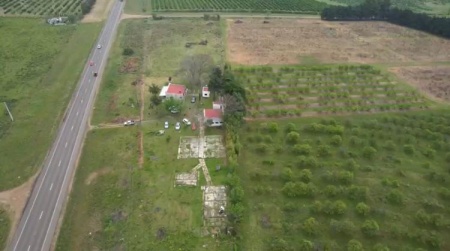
<point x="40" y="68"/>
<point x="371" y="181"/>
<point x="115" y="205"/>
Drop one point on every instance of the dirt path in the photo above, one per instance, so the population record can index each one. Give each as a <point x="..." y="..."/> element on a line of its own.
<point x="99" y="12"/>
<point x="15" y="200"/>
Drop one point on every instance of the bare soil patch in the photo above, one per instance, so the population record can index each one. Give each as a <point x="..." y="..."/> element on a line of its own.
<point x="434" y="81"/>
<point x="130" y="16"/>
<point x="99" y="12"/>
<point x="15" y="200"/>
<point x="295" y="41"/>
<point x="130" y="65"/>
<point x="91" y="178"/>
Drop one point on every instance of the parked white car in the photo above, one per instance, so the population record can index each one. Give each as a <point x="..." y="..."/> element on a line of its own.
<point x="186" y="121"/>
<point x="166" y="124"/>
<point x="128" y="123"/>
<point x="177" y="126"/>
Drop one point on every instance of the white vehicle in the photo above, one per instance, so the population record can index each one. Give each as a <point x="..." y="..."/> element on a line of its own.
<point x="128" y="122"/>
<point x="177" y="126"/>
<point x="186" y="121"/>
<point x="166" y="124"/>
<point x="99" y="46"/>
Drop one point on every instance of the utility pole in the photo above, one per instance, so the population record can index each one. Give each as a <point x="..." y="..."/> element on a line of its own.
<point x="10" y="115"/>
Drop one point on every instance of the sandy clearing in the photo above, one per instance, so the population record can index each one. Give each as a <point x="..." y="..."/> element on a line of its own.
<point x="99" y="12"/>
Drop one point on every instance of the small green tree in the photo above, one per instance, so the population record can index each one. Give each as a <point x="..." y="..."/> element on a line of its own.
<point x="303" y="149"/>
<point x="310" y="226"/>
<point x="290" y="127"/>
<point x="293" y="138"/>
<point x="354" y="245"/>
<point x="287" y="174"/>
<point x="173" y="105"/>
<point x="370" y="228"/>
<point x="362" y="209"/>
<point x="323" y="150"/>
<point x="154" y="89"/>
<point x="127" y="52"/>
<point x="395" y="197"/>
<point x="339" y="207"/>
<point x="155" y="100"/>
<point x="336" y="140"/>
<point x="305" y="175"/>
<point x="331" y="191"/>
<point x="369" y="152"/>
<point x="380" y="247"/>
<point x="409" y="149"/>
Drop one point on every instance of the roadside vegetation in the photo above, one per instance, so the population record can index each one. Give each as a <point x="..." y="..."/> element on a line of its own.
<point x="37" y="79"/>
<point x="5" y="224"/>
<point x="375" y="181"/>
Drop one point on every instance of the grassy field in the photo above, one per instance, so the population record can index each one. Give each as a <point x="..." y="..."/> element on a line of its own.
<point x="4" y="227"/>
<point x="312" y="90"/>
<point x="159" y="48"/>
<point x="36" y="80"/>
<point x="126" y="207"/>
<point x="40" y="8"/>
<point x="377" y="179"/>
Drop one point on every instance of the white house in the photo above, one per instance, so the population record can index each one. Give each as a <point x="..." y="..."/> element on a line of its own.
<point x="205" y="92"/>
<point x="213" y="117"/>
<point x="173" y="91"/>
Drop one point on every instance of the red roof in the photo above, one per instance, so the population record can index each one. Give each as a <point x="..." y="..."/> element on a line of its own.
<point x="205" y="88"/>
<point x="176" y="89"/>
<point x="212" y="113"/>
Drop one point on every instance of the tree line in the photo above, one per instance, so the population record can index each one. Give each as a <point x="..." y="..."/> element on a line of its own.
<point x="382" y="10"/>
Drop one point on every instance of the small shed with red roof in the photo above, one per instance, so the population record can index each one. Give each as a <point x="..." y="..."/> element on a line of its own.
<point x="213" y="117"/>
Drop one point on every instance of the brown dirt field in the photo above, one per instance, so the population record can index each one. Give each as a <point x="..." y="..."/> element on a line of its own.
<point x="130" y="65"/>
<point x="14" y="201"/>
<point x="296" y="41"/>
<point x="434" y="81"/>
<point x="99" y="12"/>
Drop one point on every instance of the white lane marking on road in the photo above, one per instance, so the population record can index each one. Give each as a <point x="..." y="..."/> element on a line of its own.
<point x="71" y="128"/>
<point x="65" y="145"/>
<point x="51" y="186"/>
<point x="29" y="246"/>
<point x="89" y="80"/>
<point x="59" y="164"/>
<point x="40" y="216"/>
<point x="82" y="101"/>
<point x="77" y="113"/>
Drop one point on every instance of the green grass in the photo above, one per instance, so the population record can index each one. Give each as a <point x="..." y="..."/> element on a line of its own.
<point x="37" y="80"/>
<point x="5" y="224"/>
<point x="258" y="6"/>
<point x="146" y="197"/>
<point x="41" y="8"/>
<point x="275" y="219"/>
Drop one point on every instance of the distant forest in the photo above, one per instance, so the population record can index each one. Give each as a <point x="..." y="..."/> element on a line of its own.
<point x="382" y="10"/>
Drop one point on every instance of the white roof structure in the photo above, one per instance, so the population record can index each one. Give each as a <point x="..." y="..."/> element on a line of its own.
<point x="164" y="91"/>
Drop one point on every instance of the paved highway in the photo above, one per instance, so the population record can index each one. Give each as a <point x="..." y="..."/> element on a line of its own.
<point x="38" y="224"/>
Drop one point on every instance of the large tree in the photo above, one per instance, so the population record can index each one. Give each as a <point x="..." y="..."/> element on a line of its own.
<point x="215" y="81"/>
<point x="195" y="69"/>
<point x="173" y="105"/>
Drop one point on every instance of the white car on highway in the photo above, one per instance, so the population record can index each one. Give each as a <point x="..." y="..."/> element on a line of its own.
<point x="99" y="46"/>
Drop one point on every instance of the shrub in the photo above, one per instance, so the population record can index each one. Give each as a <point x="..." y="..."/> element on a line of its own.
<point x="336" y="140"/>
<point x="344" y="227"/>
<point x="351" y="165"/>
<point x="389" y="145"/>
<point x="369" y="152"/>
<point x="362" y="209"/>
<point x="357" y="192"/>
<point x="278" y="244"/>
<point x="316" y="207"/>
<point x="307" y="162"/>
<point x="293" y="138"/>
<point x="331" y="191"/>
<point x="290" y="127"/>
<point x="262" y="148"/>
<point x="422" y="217"/>
<point x="380" y="247"/>
<point x="354" y="245"/>
<point x="345" y="177"/>
<point x="339" y="207"/>
<point x="305" y="175"/>
<point x="370" y="228"/>
<point x="128" y="52"/>
<point x="310" y="226"/>
<point x="298" y="189"/>
<point x="323" y="151"/>
<point x="272" y="128"/>
<point x="268" y="139"/>
<point x="447" y="157"/>
<point x="287" y="174"/>
<point x="306" y="245"/>
<point x="395" y="197"/>
<point x="429" y="153"/>
<point x="303" y="149"/>
<point x="409" y="149"/>
<point x="236" y="194"/>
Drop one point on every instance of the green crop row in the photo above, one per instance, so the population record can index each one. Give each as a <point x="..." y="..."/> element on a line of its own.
<point x="40" y="8"/>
